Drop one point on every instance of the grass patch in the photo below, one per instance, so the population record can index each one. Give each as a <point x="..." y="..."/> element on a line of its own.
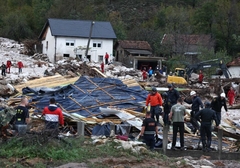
<point x="56" y="152"/>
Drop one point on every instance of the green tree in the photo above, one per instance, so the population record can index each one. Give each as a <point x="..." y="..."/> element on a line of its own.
<point x="16" y="27"/>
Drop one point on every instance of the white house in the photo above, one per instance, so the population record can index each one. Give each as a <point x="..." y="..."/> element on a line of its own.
<point x="234" y="67"/>
<point x="69" y="38"/>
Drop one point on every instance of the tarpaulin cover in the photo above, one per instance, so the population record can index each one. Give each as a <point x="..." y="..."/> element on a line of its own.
<point x="99" y="130"/>
<point x="86" y="95"/>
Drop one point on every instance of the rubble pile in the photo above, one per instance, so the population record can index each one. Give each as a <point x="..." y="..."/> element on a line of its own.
<point x="39" y="56"/>
<point x="121" y="72"/>
<point x="10" y="45"/>
<point x="12" y="51"/>
<point x="73" y="68"/>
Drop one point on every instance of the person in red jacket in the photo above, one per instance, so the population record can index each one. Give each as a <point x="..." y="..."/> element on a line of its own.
<point x="53" y="115"/>
<point x="144" y="74"/>
<point x="9" y="64"/>
<point x="106" y="58"/>
<point x="231" y="95"/>
<point x="102" y="67"/>
<point x="20" y="66"/>
<point x="155" y="100"/>
<point x="200" y="78"/>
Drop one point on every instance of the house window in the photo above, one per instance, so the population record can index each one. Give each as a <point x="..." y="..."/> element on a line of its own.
<point x="46" y="44"/>
<point x="79" y="57"/>
<point x="100" y="58"/>
<point x="70" y="43"/>
<point x="66" y="55"/>
<point x="89" y="58"/>
<point x="97" y="44"/>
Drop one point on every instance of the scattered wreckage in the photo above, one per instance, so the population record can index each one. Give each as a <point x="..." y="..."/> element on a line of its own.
<point x="110" y="109"/>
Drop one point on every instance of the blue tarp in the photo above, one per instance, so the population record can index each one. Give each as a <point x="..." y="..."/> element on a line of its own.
<point x="87" y="94"/>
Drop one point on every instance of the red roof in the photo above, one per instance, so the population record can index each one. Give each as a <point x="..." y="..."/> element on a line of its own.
<point x="235" y="62"/>
<point x="139" y="45"/>
<point x="187" y="39"/>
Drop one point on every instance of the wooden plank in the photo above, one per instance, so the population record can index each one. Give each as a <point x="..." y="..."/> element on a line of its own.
<point x="50" y="81"/>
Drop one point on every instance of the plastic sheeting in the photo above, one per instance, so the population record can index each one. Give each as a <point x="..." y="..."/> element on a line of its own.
<point x="101" y="130"/>
<point x="86" y="95"/>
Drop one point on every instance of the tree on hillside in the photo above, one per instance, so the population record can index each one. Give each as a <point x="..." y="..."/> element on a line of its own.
<point x="16" y="27"/>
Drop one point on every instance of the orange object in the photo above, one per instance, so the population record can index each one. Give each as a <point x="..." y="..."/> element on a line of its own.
<point x="154" y="99"/>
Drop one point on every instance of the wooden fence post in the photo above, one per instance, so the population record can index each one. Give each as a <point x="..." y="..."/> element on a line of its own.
<point x="165" y="138"/>
<point x="220" y="135"/>
<point x="80" y="128"/>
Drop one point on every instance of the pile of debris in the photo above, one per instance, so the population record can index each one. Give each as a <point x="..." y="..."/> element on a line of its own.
<point x="39" y="56"/>
<point x="73" y="68"/>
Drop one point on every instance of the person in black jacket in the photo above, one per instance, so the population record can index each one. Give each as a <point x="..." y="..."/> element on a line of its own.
<point x="206" y="115"/>
<point x="173" y="94"/>
<point x="166" y="108"/>
<point x="196" y="104"/>
<point x="149" y="129"/>
<point x="217" y="104"/>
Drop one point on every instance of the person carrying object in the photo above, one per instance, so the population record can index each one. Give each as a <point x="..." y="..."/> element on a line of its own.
<point x="196" y="104"/>
<point x="206" y="115"/>
<point x="177" y="114"/>
<point x="53" y="115"/>
<point x="21" y="118"/>
<point x="217" y="104"/>
<point x="155" y="100"/>
<point x="149" y="129"/>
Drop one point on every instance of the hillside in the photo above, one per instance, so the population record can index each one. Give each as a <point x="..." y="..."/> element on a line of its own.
<point x="136" y="19"/>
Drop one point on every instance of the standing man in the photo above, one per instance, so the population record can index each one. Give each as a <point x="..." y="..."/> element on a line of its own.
<point x="9" y="64"/>
<point x="53" y="115"/>
<point x="155" y="100"/>
<point x="217" y="104"/>
<point x="102" y="67"/>
<point x="200" y="77"/>
<point x="206" y="115"/>
<point x="3" y="67"/>
<point x="20" y="66"/>
<point x="21" y="118"/>
<point x="173" y="94"/>
<point x="166" y="108"/>
<point x="106" y="58"/>
<point x="177" y="116"/>
<point x="150" y="72"/>
<point x="231" y="96"/>
<point x="196" y="104"/>
<point x="149" y="128"/>
<point x="144" y="74"/>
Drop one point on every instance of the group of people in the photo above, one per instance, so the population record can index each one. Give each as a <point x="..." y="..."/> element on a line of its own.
<point x="155" y="101"/>
<point x="149" y="73"/>
<point x="106" y="62"/>
<point x="174" y="111"/>
<point x="6" y="67"/>
<point x="52" y="114"/>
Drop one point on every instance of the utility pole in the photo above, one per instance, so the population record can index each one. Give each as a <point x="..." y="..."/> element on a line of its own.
<point x="89" y="38"/>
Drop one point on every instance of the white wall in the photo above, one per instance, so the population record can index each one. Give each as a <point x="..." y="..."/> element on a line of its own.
<point x="106" y="46"/>
<point x="235" y="71"/>
<point x="50" y="49"/>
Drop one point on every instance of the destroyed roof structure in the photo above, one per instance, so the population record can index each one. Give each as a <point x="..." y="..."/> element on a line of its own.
<point x="86" y="95"/>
